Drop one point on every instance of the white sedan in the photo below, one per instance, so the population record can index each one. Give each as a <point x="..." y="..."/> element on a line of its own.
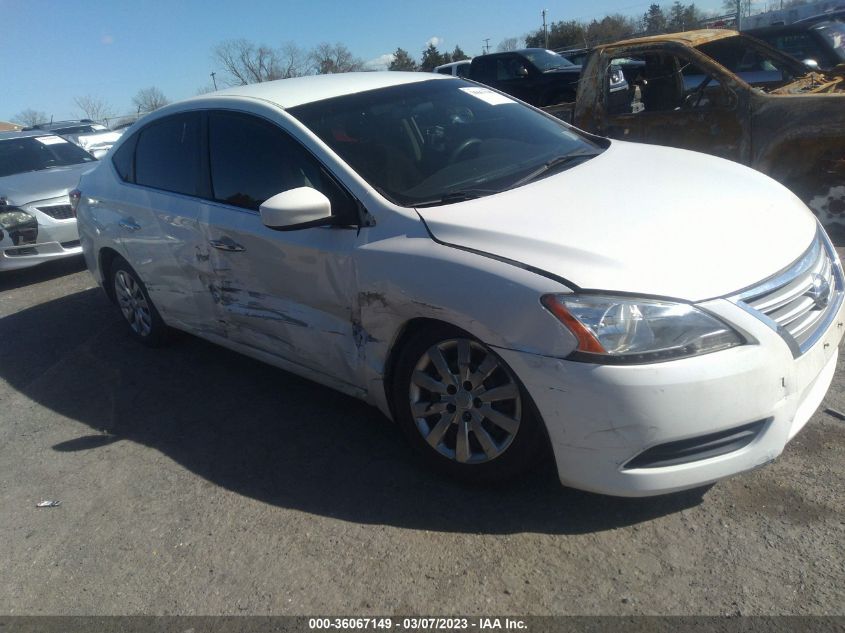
<point x="492" y="279"/>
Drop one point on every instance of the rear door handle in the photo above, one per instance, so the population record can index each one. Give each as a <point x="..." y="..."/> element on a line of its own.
<point x="129" y="225"/>
<point x="227" y="244"/>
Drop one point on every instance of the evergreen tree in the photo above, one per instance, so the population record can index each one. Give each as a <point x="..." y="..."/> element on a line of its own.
<point x="402" y="61"/>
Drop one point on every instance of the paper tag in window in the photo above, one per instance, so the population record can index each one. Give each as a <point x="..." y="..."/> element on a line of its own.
<point x="488" y="96"/>
<point x="50" y="140"/>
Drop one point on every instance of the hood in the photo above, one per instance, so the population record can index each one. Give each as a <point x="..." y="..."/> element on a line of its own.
<point x="32" y="186"/>
<point x="565" y="70"/>
<point x="639" y="218"/>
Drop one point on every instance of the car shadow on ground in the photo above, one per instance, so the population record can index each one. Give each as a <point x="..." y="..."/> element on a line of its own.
<point x="12" y="279"/>
<point x="269" y="435"/>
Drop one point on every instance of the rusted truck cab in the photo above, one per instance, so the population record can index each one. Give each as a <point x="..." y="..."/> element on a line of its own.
<point x="729" y="95"/>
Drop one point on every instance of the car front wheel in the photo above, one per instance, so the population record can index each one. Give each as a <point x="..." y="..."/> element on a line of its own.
<point x="463" y="409"/>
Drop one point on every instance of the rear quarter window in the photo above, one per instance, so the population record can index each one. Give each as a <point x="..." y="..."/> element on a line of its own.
<point x="124" y="159"/>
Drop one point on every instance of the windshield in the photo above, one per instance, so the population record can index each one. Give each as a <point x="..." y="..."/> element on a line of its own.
<point x="546" y="60"/>
<point x="834" y="33"/>
<point x="422" y="142"/>
<point x="34" y="153"/>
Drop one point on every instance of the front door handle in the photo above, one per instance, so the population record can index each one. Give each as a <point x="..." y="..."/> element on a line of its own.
<point x="129" y="225"/>
<point x="227" y="244"/>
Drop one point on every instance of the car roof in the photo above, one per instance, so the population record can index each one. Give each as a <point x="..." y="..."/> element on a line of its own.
<point x="460" y="62"/>
<point x="55" y="125"/>
<point x="688" y="38"/>
<point x="796" y="27"/>
<point x="289" y="93"/>
<point x="29" y="133"/>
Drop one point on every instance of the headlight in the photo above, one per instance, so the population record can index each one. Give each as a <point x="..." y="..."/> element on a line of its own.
<point x="626" y="330"/>
<point x="617" y="77"/>
<point x="21" y="226"/>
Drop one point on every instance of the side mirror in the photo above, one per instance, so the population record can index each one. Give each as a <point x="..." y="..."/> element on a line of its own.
<point x="298" y="208"/>
<point x="812" y="64"/>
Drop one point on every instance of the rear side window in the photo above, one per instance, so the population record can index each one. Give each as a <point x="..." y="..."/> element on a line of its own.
<point x="167" y="155"/>
<point x="124" y="158"/>
<point x="253" y="160"/>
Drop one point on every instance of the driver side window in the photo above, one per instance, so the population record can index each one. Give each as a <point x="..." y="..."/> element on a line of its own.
<point x="663" y="82"/>
<point x="252" y="160"/>
<point x="702" y="90"/>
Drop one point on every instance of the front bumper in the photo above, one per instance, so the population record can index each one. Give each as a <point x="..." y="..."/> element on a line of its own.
<point x="599" y="417"/>
<point x="56" y="238"/>
<point x="15" y="257"/>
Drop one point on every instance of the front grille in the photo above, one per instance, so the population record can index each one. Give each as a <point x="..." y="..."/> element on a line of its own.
<point x="800" y="303"/>
<point x="71" y="244"/>
<point x="58" y="211"/>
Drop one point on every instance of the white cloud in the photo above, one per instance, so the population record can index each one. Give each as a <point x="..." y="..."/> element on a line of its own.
<point x="379" y="63"/>
<point x="434" y="41"/>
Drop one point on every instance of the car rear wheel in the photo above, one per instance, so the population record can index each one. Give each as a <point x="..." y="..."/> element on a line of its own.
<point x="463" y="409"/>
<point x="145" y="323"/>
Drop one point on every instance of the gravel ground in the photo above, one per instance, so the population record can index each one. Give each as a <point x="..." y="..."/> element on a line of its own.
<point x="197" y="481"/>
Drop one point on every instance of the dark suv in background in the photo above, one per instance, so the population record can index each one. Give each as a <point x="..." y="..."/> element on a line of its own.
<point x="808" y="41"/>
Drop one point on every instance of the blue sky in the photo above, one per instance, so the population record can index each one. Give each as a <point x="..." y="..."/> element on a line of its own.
<point x="53" y="51"/>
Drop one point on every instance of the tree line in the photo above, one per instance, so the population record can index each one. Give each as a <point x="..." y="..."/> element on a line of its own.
<point x="90" y="107"/>
<point x="615" y="27"/>
<point x="243" y="62"/>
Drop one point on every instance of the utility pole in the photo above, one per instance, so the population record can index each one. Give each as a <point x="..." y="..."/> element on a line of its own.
<point x="486" y="46"/>
<point x="545" y="30"/>
<point x="214" y="79"/>
<point x="738" y="15"/>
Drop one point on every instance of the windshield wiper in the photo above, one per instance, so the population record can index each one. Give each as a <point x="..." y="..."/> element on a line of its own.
<point x="560" y="161"/>
<point x="456" y="196"/>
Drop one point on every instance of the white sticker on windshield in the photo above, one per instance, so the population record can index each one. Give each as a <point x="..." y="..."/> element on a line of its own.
<point x="50" y="140"/>
<point x="488" y="96"/>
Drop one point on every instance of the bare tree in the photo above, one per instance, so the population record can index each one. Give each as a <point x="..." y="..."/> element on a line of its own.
<point x="334" y="58"/>
<point x="509" y="44"/>
<point x="149" y="99"/>
<point x="93" y="108"/>
<point x="30" y="117"/>
<point x="245" y="63"/>
<point x="293" y="61"/>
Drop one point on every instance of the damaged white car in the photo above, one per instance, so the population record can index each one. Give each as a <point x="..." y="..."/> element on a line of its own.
<point x="492" y="279"/>
<point x="37" y="224"/>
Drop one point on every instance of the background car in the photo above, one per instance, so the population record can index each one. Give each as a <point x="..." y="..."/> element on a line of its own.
<point x="98" y="143"/>
<point x="821" y="44"/>
<point x="457" y="69"/>
<point x="94" y="138"/>
<point x="37" y="172"/>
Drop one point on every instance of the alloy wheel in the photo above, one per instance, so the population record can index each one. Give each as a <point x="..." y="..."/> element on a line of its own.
<point x="133" y="303"/>
<point x="466" y="404"/>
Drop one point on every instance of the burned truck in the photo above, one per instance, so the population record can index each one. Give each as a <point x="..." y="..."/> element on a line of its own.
<point x="727" y="94"/>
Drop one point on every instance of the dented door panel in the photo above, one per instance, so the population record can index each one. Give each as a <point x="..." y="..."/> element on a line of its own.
<point x="286" y="293"/>
<point x="162" y="236"/>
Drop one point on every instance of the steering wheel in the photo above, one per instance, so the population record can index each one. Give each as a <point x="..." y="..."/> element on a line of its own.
<point x="694" y="98"/>
<point x="465" y="145"/>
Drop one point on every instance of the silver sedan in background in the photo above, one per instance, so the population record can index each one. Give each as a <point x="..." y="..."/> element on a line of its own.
<point x="37" y="171"/>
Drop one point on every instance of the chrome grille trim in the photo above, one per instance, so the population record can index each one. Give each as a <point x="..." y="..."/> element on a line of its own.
<point x="801" y="302"/>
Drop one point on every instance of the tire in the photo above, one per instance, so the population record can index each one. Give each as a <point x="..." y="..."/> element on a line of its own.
<point x="143" y="320"/>
<point x="450" y="422"/>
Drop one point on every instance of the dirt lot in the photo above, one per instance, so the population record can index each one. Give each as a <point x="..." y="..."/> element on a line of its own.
<point x="197" y="481"/>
